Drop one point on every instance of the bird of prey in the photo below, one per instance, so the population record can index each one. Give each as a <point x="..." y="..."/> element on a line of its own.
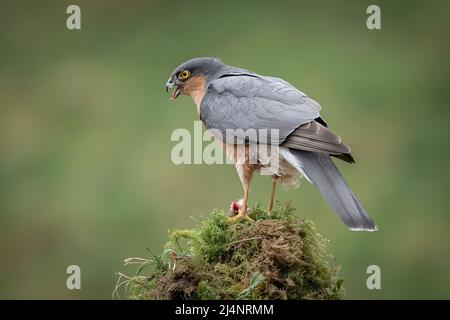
<point x="230" y="99"/>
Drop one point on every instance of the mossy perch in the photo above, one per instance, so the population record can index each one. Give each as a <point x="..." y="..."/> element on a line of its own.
<point x="280" y="256"/>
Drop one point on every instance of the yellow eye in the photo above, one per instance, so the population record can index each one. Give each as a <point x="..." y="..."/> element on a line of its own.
<point x="184" y="74"/>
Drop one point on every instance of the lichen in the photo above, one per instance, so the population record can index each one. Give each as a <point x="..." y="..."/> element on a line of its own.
<point x="279" y="256"/>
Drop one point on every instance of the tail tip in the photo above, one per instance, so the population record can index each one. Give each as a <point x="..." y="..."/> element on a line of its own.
<point x="373" y="228"/>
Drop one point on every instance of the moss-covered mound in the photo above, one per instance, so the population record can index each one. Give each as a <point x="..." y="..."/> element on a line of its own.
<point x="280" y="256"/>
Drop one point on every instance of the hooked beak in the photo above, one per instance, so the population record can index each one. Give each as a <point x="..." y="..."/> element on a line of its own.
<point x="169" y="85"/>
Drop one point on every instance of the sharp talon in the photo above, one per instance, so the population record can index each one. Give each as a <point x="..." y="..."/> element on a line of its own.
<point x="240" y="216"/>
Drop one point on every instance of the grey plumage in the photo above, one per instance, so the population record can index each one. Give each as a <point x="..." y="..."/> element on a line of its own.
<point x="322" y="172"/>
<point x="317" y="138"/>
<point x="235" y="98"/>
<point x="252" y="101"/>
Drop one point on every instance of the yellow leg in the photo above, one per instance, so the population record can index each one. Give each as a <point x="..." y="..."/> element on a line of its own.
<point x="243" y="214"/>
<point x="272" y="196"/>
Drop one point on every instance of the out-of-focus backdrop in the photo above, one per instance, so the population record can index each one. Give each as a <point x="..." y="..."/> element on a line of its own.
<point x="85" y="124"/>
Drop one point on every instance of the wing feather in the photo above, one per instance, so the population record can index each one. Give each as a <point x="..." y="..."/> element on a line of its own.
<point x="249" y="101"/>
<point x="317" y="138"/>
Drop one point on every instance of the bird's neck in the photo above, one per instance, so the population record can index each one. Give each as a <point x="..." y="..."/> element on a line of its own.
<point x="196" y="89"/>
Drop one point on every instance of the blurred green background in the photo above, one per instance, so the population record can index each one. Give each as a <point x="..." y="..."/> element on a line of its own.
<point x="85" y="125"/>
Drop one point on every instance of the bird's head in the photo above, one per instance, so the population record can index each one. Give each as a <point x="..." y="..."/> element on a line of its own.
<point x="194" y="75"/>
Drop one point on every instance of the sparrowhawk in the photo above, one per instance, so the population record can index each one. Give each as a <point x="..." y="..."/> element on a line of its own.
<point x="230" y="101"/>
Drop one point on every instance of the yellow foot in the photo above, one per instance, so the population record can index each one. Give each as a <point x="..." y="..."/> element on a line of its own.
<point x="240" y="216"/>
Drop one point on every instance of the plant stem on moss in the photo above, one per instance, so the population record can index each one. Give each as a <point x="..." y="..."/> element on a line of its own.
<point x="279" y="256"/>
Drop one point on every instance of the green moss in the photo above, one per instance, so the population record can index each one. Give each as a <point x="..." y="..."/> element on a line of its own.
<point x="280" y="256"/>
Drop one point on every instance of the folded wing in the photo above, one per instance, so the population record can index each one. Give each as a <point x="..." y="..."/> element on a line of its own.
<point x="249" y="101"/>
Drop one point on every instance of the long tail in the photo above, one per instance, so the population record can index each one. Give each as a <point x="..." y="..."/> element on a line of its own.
<point x="323" y="173"/>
